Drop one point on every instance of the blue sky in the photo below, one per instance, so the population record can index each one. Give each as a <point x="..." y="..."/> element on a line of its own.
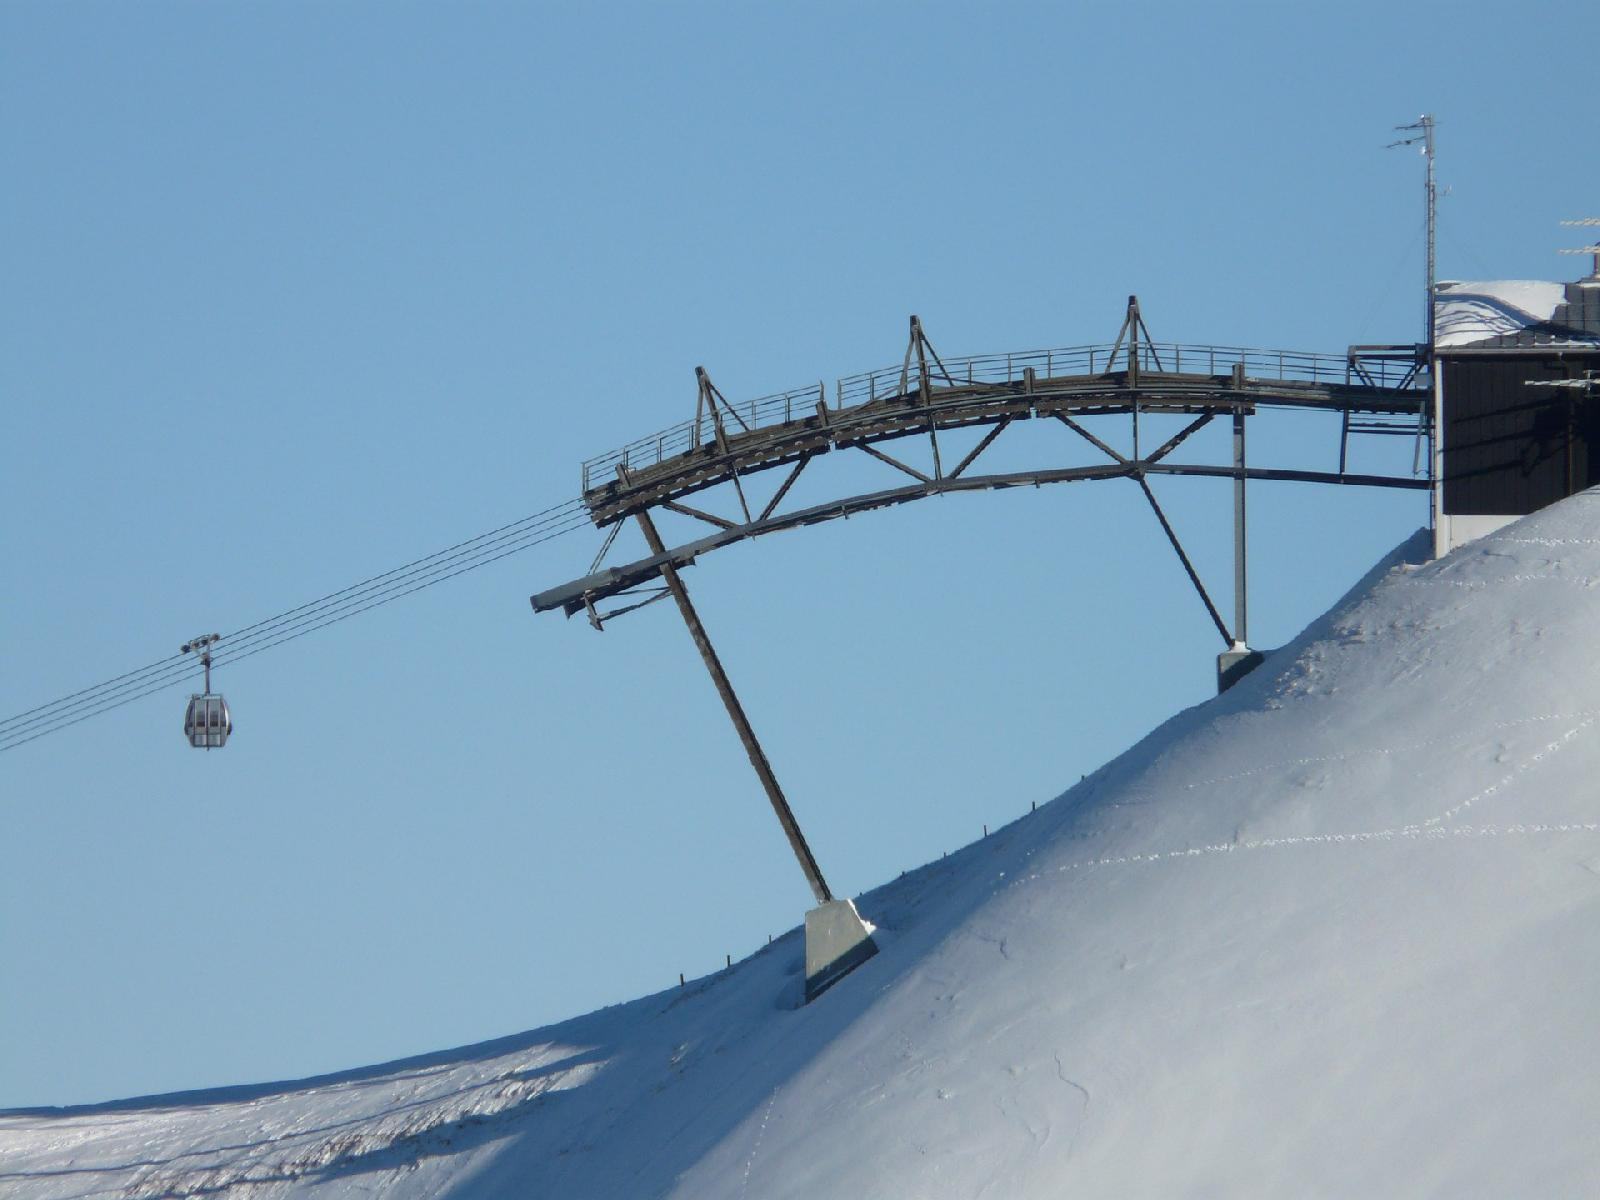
<point x="295" y="293"/>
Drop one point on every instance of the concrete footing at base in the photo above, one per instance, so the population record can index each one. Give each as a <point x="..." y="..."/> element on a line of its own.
<point x="1234" y="664"/>
<point x="837" y="942"/>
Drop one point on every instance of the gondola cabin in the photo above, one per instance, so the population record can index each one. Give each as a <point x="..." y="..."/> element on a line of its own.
<point x="208" y="723"/>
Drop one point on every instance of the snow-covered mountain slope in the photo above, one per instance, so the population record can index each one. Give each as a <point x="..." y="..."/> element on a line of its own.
<point x="1336" y="933"/>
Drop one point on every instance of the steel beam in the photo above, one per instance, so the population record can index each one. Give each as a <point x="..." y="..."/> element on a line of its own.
<point x="1194" y="576"/>
<point x="988" y="440"/>
<point x="570" y="597"/>
<point x="1240" y="615"/>
<point x="741" y="723"/>
<point x="765" y="447"/>
<point x="1096" y="442"/>
<point x="700" y="515"/>
<point x="894" y="462"/>
<point x="1177" y="439"/>
<point x="777" y="496"/>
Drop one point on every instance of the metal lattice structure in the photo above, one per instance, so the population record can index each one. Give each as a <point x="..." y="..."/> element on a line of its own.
<point x="1380" y="390"/>
<point x="1373" y="389"/>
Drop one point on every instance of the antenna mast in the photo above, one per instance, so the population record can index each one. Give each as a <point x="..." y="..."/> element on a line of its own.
<point x="1422" y="130"/>
<point x="1593" y="248"/>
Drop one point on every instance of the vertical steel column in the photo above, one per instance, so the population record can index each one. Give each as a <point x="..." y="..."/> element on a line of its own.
<point x="741" y="724"/>
<point x="1427" y="124"/>
<point x="1239" y="578"/>
<point x="1133" y="369"/>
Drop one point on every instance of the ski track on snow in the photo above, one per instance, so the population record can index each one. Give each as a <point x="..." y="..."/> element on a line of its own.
<point x="1527" y="765"/>
<point x="1432" y="828"/>
<point x="761" y="1131"/>
<point x="1432" y="833"/>
<point x="1546" y="541"/>
<point x="1455" y="739"/>
<point x="1478" y="585"/>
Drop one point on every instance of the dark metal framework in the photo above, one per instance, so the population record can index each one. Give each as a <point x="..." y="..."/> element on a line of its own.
<point x="1376" y="390"/>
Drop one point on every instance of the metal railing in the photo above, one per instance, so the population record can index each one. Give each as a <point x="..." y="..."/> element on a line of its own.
<point x="1075" y="362"/>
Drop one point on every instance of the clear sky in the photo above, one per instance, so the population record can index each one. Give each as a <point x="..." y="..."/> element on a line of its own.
<point x="294" y="293"/>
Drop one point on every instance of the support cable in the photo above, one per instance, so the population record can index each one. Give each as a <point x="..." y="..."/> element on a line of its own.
<point x="358" y="598"/>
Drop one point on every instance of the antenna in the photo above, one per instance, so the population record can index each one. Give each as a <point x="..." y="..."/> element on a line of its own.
<point x="1593" y="249"/>
<point x="1424" y="127"/>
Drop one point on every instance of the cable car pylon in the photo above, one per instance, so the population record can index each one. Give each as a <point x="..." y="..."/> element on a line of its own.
<point x="208" y="722"/>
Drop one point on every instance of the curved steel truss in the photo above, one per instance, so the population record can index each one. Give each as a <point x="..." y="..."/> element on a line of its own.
<point x="1373" y="389"/>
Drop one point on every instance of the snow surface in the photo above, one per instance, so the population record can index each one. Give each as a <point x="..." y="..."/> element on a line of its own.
<point x="1469" y="312"/>
<point x="1335" y="933"/>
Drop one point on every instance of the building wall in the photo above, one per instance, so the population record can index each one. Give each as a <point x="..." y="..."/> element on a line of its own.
<point x="1506" y="449"/>
<point x="1510" y="448"/>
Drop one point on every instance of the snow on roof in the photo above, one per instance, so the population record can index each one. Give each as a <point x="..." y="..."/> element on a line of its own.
<point x="1512" y="313"/>
<point x="1473" y="311"/>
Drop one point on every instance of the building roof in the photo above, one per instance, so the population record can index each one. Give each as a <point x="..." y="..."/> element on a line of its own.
<point x="1516" y="314"/>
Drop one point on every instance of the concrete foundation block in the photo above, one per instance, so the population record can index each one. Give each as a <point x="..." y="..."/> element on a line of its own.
<point x="837" y="942"/>
<point x="1233" y="665"/>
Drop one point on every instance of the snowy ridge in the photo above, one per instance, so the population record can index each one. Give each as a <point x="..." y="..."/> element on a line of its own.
<point x="1331" y="934"/>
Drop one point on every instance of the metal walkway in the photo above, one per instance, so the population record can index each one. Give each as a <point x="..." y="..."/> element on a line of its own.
<point x="1374" y="390"/>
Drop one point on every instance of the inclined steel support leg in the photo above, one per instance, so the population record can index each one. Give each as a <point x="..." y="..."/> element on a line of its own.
<point x="1194" y="576"/>
<point x="741" y="724"/>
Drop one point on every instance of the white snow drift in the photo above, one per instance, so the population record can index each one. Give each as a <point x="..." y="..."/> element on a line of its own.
<point x="1336" y="933"/>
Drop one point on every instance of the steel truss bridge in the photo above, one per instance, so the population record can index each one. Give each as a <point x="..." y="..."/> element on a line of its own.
<point x="1374" y="390"/>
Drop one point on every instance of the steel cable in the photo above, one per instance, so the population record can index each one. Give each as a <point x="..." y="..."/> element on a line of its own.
<point x="347" y="602"/>
<point x="106" y="701"/>
<point x="565" y="515"/>
<point x="387" y="586"/>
